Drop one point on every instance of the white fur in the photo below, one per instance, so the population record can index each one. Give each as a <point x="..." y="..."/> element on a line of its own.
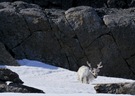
<point x="85" y="74"/>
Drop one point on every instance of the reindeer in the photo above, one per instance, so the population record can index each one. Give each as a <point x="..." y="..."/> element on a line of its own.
<point x="86" y="73"/>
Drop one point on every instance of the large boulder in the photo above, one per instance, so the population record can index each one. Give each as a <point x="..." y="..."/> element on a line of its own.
<point x="19" y="88"/>
<point x="3" y="86"/>
<point x="5" y="56"/>
<point x="70" y="38"/>
<point x="8" y="75"/>
<point x="122" y="26"/>
<point x="15" y="84"/>
<point x="116" y="88"/>
<point x="66" y="4"/>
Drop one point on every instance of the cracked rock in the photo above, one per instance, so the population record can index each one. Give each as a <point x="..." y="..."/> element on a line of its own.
<point x="116" y="88"/>
<point x="16" y="83"/>
<point x="8" y="75"/>
<point x="69" y="38"/>
<point x="6" y="57"/>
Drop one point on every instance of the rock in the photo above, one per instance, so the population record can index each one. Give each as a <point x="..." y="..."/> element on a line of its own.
<point x="121" y="25"/>
<point x="70" y="38"/>
<point x="117" y="3"/>
<point x="84" y="25"/>
<point x="5" y="57"/>
<point x="3" y="86"/>
<point x="116" y="88"/>
<point x="14" y="29"/>
<point x="66" y="4"/>
<point x="16" y="83"/>
<point x="18" y="88"/>
<point x="132" y="3"/>
<point x="92" y="3"/>
<point x="129" y="88"/>
<point x="8" y="75"/>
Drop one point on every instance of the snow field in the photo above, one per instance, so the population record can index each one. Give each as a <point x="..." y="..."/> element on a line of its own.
<point x="55" y="81"/>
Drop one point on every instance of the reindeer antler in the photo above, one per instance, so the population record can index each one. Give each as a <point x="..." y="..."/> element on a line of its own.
<point x="97" y="70"/>
<point x="99" y="65"/>
<point x="89" y="64"/>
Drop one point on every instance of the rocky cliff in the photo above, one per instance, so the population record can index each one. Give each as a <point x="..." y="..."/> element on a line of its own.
<point x="69" y="38"/>
<point x="66" y="4"/>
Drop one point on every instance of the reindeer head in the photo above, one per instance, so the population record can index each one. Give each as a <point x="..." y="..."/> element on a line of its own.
<point x="95" y="71"/>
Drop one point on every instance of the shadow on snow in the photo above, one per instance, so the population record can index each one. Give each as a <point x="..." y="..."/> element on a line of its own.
<point x="33" y="63"/>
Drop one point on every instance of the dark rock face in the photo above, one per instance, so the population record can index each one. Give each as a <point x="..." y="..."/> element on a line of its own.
<point x="70" y="38"/>
<point x="116" y="88"/>
<point x="66" y="4"/>
<point x="16" y="83"/>
<point x="6" y="57"/>
<point x="18" y="88"/>
<point x="121" y="25"/>
<point x="3" y="86"/>
<point x="8" y="75"/>
<point x="118" y="4"/>
<point x="109" y="88"/>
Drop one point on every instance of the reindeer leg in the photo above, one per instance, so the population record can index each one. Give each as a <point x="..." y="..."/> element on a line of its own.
<point x="87" y="80"/>
<point x="82" y="79"/>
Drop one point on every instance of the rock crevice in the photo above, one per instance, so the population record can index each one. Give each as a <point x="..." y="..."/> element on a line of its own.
<point x="69" y="38"/>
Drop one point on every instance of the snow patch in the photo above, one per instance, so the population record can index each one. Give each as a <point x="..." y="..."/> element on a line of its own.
<point x="56" y="81"/>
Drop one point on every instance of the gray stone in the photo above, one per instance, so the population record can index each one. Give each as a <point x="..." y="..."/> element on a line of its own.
<point x="8" y="75"/>
<point x="121" y="25"/>
<point x="3" y="86"/>
<point x="13" y="29"/>
<point x="6" y="57"/>
<point x="18" y="88"/>
<point x="16" y="83"/>
<point x="66" y="4"/>
<point x="116" y="88"/>
<point x="117" y="4"/>
<point x="70" y="38"/>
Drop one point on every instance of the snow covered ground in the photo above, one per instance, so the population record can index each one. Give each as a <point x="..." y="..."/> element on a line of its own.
<point x="55" y="81"/>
